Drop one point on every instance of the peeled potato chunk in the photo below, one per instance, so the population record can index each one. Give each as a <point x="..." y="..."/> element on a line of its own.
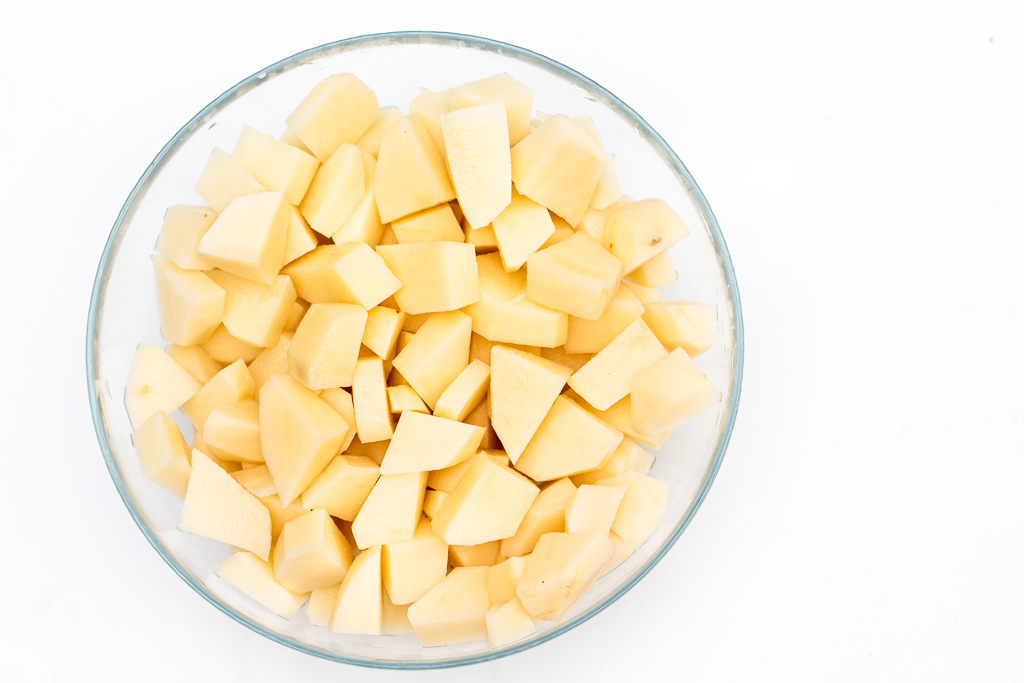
<point x="253" y="312"/>
<point x="226" y="349"/>
<point x="369" y="142"/>
<point x="561" y="569"/>
<point x="230" y="385"/>
<point x="321" y="602"/>
<point x="642" y="506"/>
<point x="593" y="508"/>
<point x="360" y="604"/>
<point x="391" y="511"/>
<point x="189" y="303"/>
<point x="164" y="455"/>
<point x="424" y="442"/>
<point x="639" y="231"/>
<point x="654" y="272"/>
<point x="436" y="224"/>
<point x="223" y="180"/>
<point x="516" y="97"/>
<point x="670" y="392"/>
<point x="343" y="486"/>
<point x="570" y="440"/>
<point x="179" y="237"/>
<point x="233" y="432"/>
<point x="465" y="392"/>
<point x="522" y="228"/>
<point x="337" y="110"/>
<point x="435" y="276"/>
<point x="254" y="576"/>
<point x="196" y="361"/>
<point x="370" y="401"/>
<point x="311" y="553"/>
<point x="411" y="568"/>
<point x="274" y="164"/>
<point x="477" y="146"/>
<point x="325" y="348"/>
<point x="503" y="578"/>
<point x="546" y="515"/>
<point x="411" y="174"/>
<point x="436" y="355"/>
<point x="577" y="276"/>
<point x="454" y="611"/>
<point x="342" y="273"/>
<point x="507" y="623"/>
<point x="249" y="237"/>
<point x="686" y="324"/>
<point x="155" y="382"/>
<point x="606" y="378"/>
<point x="628" y="457"/>
<point x="591" y="336"/>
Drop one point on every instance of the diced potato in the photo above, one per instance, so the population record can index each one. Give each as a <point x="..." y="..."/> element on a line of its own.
<point x="256" y="479"/>
<point x="435" y="276"/>
<point x="507" y="623"/>
<point x="562" y="231"/>
<point x="363" y="225"/>
<point x="570" y="440"/>
<point x="360" y="605"/>
<point x="189" y="303"/>
<point x="226" y="349"/>
<point x="383" y="326"/>
<point x="591" y="336"/>
<point x="480" y="555"/>
<point x="230" y="385"/>
<point x="620" y="416"/>
<point x="404" y="398"/>
<point x="558" y="166"/>
<point x="321" y="602"/>
<point x="628" y="457"/>
<point x="521" y="229"/>
<point x="233" y="432"/>
<point x="254" y="576"/>
<point x="465" y="392"/>
<point x="424" y="442"/>
<point x="607" y="191"/>
<point x="325" y="348"/>
<point x="577" y="276"/>
<point x="274" y="164"/>
<point x="370" y="400"/>
<point x="436" y="355"/>
<point x="396" y="618"/>
<point x="226" y="465"/>
<point x="164" y="455"/>
<point x="413" y="323"/>
<point x="448" y="478"/>
<point x="606" y="378"/>
<point x="196" y="361"/>
<point x="374" y="451"/>
<point x="289" y="137"/>
<point x="502" y="579"/>
<point x="217" y="507"/>
<point x="516" y="97"/>
<point x="271" y="361"/>
<point x="593" y="223"/>
<point x="641" y="230"/>
<point x="670" y="392"/>
<point x="281" y="514"/>
<point x="222" y="181"/>
<point x="488" y="504"/>
<point x="573" y="361"/>
<point x="336" y="191"/>
<point x="620" y="553"/>
<point x="155" y="382"/>
<point x="655" y="271"/>
<point x="436" y="224"/>
<point x="480" y="348"/>
<point x="453" y="611"/>
<point x="546" y="515"/>
<point x="411" y="174"/>
<point x="476" y="144"/>
<point x="311" y="553"/>
<point x="593" y="508"/>
<point x="432" y="502"/>
<point x="641" y="508"/>
<point x="369" y="142"/>
<point x="411" y="568"/>
<point x="428" y="107"/>
<point x="249" y="237"/>
<point x="343" y="486"/>
<point x="341" y="401"/>
<point x="645" y="294"/>
<point x="504" y="313"/>
<point x="479" y="417"/>
<point x="561" y="569"/>
<point x="587" y="125"/>
<point x="179" y="237"/>
<point x="686" y="324"/>
<point x="255" y="313"/>
<point x="483" y="239"/>
<point x="337" y="110"/>
<point x="391" y="511"/>
<point x="523" y="389"/>
<point x="342" y="273"/>
<point x="300" y="434"/>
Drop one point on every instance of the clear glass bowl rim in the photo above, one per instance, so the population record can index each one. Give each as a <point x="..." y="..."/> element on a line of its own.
<point x="455" y="39"/>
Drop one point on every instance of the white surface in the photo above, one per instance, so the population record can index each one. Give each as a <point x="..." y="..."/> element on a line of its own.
<point x="865" y="165"/>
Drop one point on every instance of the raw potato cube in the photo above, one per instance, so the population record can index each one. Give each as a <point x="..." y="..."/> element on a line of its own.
<point x="164" y="455"/>
<point x="280" y="514"/>
<point x="479" y="417"/>
<point x="593" y="508"/>
<point x="447" y="479"/>
<point x="508" y="623"/>
<point x="391" y="511"/>
<point x="411" y="568"/>
<point x="436" y="355"/>
<point x="256" y="479"/>
<point x="311" y="553"/>
<point x="363" y="225"/>
<point x="453" y="611"/>
<point x="477" y="147"/>
<point x="437" y="224"/>
<point x="546" y="515"/>
<point x="226" y="465"/>
<point x="233" y="432"/>
<point x="620" y="554"/>
<point x="374" y="451"/>
<point x="480" y="348"/>
<point x="226" y="349"/>
<point x="432" y="502"/>
<point x="343" y="486"/>
<point x="274" y="164"/>
<point x="561" y="569"/>
<point x="428" y="107"/>
<point x="404" y="398"/>
<point x="253" y="312"/>
<point x="189" y="303"/>
<point x="217" y="507"/>
<point x="573" y="361"/>
<point x="517" y="98"/>
<point x="341" y="401"/>
<point x="249" y="237"/>
<point x="424" y="442"/>
<point x="607" y="191"/>
<point x="289" y="137"/>
<point x="570" y="440"/>
<point x="300" y="434"/>
<point x="155" y="382"/>
<point x="435" y="276"/>
<point x="369" y="142"/>
<point x="254" y="576"/>
<point x="336" y="191"/>
<point x="463" y="394"/>
<point x="669" y="393"/>
<point x="370" y="400"/>
<point x="488" y="504"/>
<point x="641" y="230"/>
<point x="686" y="324"/>
<point x="222" y="181"/>
<point x="641" y="508"/>
<point x="562" y="231"/>
<point x="321" y="602"/>
<point x="481" y="555"/>
<point x="411" y="175"/>
<point x="593" y="223"/>
<point x="577" y="276"/>
<point x="360" y="605"/>
<point x="271" y="361"/>
<point x="628" y="457"/>
<point x="591" y="336"/>
<point x="396" y="618"/>
<point x="521" y="229"/>
<point x="383" y="326"/>
<point x="337" y="110"/>
<point x="587" y="125"/>
<point x="504" y="313"/>
<point x="645" y="294"/>
<point x="325" y="348"/>
<point x="502" y="579"/>
<point x="620" y="416"/>
<point x="179" y="237"/>
<point x="606" y="378"/>
<point x="342" y="273"/>
<point x="230" y="385"/>
<point x="655" y="271"/>
<point x="483" y="239"/>
<point x="413" y="323"/>
<point x="523" y="389"/>
<point x="196" y="361"/>
<point x="558" y="166"/>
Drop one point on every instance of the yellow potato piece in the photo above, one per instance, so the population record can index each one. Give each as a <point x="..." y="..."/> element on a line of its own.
<point x="628" y="457"/>
<point x="155" y="382"/>
<point x="570" y="440"/>
<point x="620" y="553"/>
<point x="337" y="189"/>
<point x="645" y="294"/>
<point x="606" y="378"/>
<point x="325" y="348"/>
<point x="516" y="97"/>
<point x="311" y="553"/>
<point x="593" y="508"/>
<point x="404" y="398"/>
<point x="424" y="442"/>
<point x="686" y="324"/>
<point x="507" y="623"/>
<point x="480" y="555"/>
<point x="655" y="271"/>
<point x="465" y="392"/>
<point x="437" y="224"/>
<point x="428" y="107"/>
<point x="561" y="569"/>
<point x="341" y="401"/>
<point x="253" y="312"/>
<point x="223" y="180"/>
<point x="232" y="432"/>
<point x="435" y="276"/>
<point x="256" y="479"/>
<point x="189" y="303"/>
<point x="476" y="144"/>
<point x="591" y="336"/>
<point x="432" y="502"/>
<point x="577" y="276"/>
<point x="342" y="273"/>
<point x="274" y="164"/>
<point x="436" y="355"/>
<point x="226" y="349"/>
<point x="411" y="568"/>
<point x="522" y="228"/>
<point x="546" y="515"/>
<point x="337" y="110"/>
<point x="396" y="618"/>
<point x="254" y="576"/>
<point x="321" y="602"/>
<point x="391" y="511"/>
<point x="249" y="237"/>
<point x="179" y="237"/>
<point x="670" y="392"/>
<point x="411" y="174"/>
<point x="360" y="604"/>
<point x="164" y="455"/>
<point x="502" y="579"/>
<point x="453" y="611"/>
<point x="230" y="385"/>
<point x="383" y="325"/>
<point x="271" y="361"/>
<point x="369" y="142"/>
<point x="620" y="416"/>
<point x="642" y="506"/>
<point x="343" y="486"/>
<point x="641" y="230"/>
<point x="370" y="401"/>
<point x="196" y="361"/>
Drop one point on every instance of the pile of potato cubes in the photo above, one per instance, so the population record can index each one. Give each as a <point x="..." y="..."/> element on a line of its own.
<point x="419" y="354"/>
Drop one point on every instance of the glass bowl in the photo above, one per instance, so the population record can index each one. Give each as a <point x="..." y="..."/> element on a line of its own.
<point x="123" y="309"/>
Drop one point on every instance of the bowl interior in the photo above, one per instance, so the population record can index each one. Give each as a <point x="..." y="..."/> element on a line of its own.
<point x="396" y="66"/>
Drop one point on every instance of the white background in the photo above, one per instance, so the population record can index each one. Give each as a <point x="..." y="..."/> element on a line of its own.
<point x="865" y="160"/>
